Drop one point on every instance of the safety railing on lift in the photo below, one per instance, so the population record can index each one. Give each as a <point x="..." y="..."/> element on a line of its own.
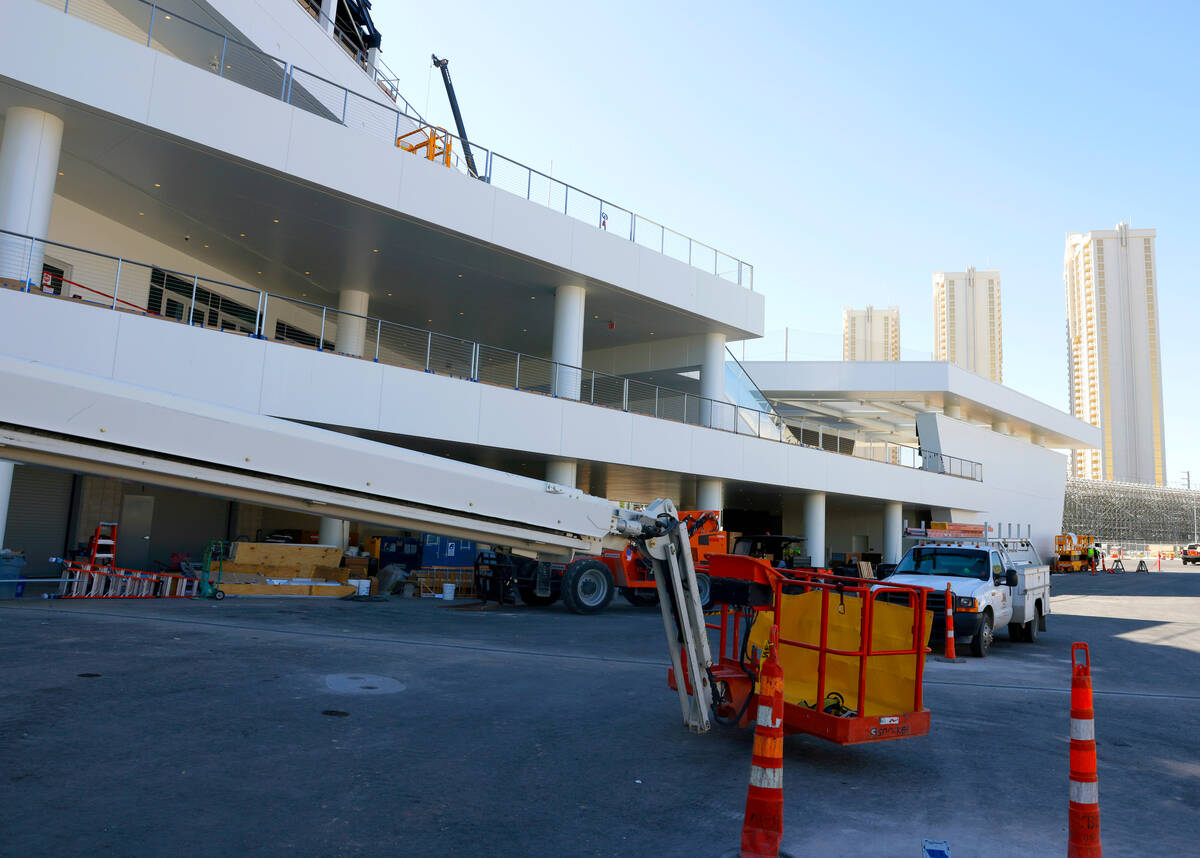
<point x="112" y="282"/>
<point x="203" y="47"/>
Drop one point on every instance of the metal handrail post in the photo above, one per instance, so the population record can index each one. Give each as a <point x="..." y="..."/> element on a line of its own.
<point x="321" y="341"/>
<point x="192" y="309"/>
<point x="593" y="387"/>
<point x="29" y="267"/>
<point x="528" y="184"/>
<point x="739" y="272"/>
<point x="625" y="396"/>
<point x="428" y="349"/>
<point x="475" y="362"/>
<point x="378" y="335"/>
<point x="685" y="420"/>
<point x="265" y="296"/>
<point x="117" y="285"/>
<point x="345" y="104"/>
<point x="566" y="191"/>
<point x="554" y="380"/>
<point x="689" y="251"/>
<point x="517" y="377"/>
<point x="396" y="136"/>
<point x="656" y="400"/>
<point x="150" y="29"/>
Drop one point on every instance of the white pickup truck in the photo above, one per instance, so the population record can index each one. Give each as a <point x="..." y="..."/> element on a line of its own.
<point x="994" y="582"/>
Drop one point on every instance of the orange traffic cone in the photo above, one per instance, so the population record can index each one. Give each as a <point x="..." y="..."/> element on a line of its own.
<point x="762" y="830"/>
<point x="1083" y="839"/>
<point x="950" y="653"/>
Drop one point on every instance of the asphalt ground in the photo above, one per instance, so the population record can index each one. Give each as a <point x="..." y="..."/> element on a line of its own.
<point x="276" y="726"/>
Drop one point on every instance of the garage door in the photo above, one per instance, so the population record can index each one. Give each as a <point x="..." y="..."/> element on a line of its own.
<point x="38" y="512"/>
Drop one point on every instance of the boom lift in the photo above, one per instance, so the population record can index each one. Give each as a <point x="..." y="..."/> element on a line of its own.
<point x="444" y="66"/>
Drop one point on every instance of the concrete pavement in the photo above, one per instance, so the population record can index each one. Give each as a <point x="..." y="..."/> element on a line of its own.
<point x="272" y="726"/>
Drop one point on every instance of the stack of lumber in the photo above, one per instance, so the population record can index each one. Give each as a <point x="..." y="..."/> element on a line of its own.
<point x="273" y="569"/>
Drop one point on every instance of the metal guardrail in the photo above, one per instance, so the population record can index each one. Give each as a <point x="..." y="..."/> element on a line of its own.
<point x="116" y="283"/>
<point x="202" y="47"/>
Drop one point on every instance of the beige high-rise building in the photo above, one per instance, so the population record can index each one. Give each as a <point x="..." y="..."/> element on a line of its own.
<point x="966" y="321"/>
<point x="1113" y="353"/>
<point x="871" y="334"/>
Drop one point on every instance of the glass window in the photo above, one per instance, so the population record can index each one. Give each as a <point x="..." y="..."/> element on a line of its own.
<point x="997" y="568"/>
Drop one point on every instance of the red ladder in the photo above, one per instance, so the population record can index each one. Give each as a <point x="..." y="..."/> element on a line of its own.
<point x="103" y="545"/>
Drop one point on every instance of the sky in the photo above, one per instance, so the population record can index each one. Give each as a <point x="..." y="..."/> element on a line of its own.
<point x="848" y="150"/>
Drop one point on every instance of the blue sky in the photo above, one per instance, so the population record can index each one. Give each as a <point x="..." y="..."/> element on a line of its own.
<point x="849" y="150"/>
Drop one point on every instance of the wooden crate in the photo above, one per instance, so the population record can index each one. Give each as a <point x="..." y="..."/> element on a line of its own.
<point x="300" y="560"/>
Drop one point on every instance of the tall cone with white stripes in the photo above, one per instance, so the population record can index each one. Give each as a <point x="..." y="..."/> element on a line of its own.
<point x="762" y="830"/>
<point x="1083" y="838"/>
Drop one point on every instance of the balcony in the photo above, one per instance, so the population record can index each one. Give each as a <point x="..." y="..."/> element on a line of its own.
<point x="113" y="283"/>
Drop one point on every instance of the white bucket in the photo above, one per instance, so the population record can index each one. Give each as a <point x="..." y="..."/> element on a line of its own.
<point x="448" y="592"/>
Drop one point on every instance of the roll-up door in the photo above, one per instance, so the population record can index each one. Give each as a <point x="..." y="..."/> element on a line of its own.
<point x="39" y="510"/>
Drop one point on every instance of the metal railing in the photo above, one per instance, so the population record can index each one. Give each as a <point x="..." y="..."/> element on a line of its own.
<point x="206" y="48"/>
<point x="116" y="283"/>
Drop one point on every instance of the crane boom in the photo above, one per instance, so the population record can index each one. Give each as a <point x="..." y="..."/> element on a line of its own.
<point x="444" y="65"/>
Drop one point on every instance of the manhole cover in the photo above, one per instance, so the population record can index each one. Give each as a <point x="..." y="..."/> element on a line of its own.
<point x="362" y="683"/>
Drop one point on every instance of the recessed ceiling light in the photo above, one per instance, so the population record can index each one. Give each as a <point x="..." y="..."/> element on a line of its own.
<point x="260" y="272"/>
<point x="389" y="294"/>
<point x="460" y="275"/>
<point x="276" y="220"/>
<point x="166" y="17"/>
<point x="533" y="297"/>
<point x="595" y="317"/>
<point x="652" y="333"/>
<point x="524" y="330"/>
<point x="460" y="312"/>
<point x="141" y="214"/>
<point x="428" y="321"/>
<point x="305" y="272"/>
<point x="303" y="294"/>
<point x="157" y="185"/>
<point x="206" y="245"/>
<point x="60" y="172"/>
<point x="242" y="234"/>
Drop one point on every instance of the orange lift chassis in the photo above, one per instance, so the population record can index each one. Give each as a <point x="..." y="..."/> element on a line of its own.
<point x="852" y="650"/>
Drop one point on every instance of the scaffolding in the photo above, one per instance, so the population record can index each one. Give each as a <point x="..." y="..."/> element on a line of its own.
<point x="1130" y="514"/>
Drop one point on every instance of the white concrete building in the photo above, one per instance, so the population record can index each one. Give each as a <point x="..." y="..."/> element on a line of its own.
<point x="871" y="334"/>
<point x="242" y="304"/>
<point x="1113" y="349"/>
<point x="967" y="328"/>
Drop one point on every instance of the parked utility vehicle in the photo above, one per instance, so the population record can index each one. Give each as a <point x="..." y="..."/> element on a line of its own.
<point x="994" y="582"/>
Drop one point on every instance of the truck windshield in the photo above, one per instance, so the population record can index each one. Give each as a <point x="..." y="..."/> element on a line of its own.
<point x="957" y="562"/>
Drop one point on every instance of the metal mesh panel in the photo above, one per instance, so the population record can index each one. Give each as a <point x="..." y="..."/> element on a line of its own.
<point x="607" y="390"/>
<point x="535" y="375"/>
<point x="670" y="405"/>
<point x="1136" y="515"/>
<point x="643" y="398"/>
<point x="250" y="68"/>
<point x="510" y="176"/>
<point x="676" y="246"/>
<point x="584" y="207"/>
<point x="647" y="233"/>
<point x="128" y="18"/>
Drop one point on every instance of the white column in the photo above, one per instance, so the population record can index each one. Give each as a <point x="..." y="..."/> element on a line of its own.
<point x="893" y="531"/>
<point x="567" y="346"/>
<point x="372" y="59"/>
<point x="28" y="169"/>
<point x="328" y="14"/>
<point x="712" y="383"/>
<point x="352" y="329"/>
<point x="6" y="478"/>
<point x="814" y="527"/>
<point x="710" y="494"/>
<point x="332" y="532"/>
<point x="1000" y="426"/>
<point x="561" y="472"/>
<point x="566" y="350"/>
<point x="953" y="410"/>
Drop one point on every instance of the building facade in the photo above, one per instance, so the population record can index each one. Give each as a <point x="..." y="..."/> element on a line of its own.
<point x="1114" y="370"/>
<point x="967" y="330"/>
<point x="871" y="334"/>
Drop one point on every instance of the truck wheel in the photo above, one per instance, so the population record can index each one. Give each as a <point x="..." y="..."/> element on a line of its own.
<point x="587" y="586"/>
<point x="640" y="597"/>
<point x="704" y="590"/>
<point x="1016" y="632"/>
<point x="533" y="600"/>
<point x="1031" y="629"/>
<point x="983" y="638"/>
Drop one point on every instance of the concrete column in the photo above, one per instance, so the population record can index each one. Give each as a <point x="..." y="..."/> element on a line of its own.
<point x="372" y="59"/>
<point x="6" y="478"/>
<point x="561" y="472"/>
<point x="328" y="15"/>
<point x="28" y="169"/>
<point x="893" y="531"/>
<point x="814" y="527"/>
<point x="1000" y="426"/>
<point x="710" y="494"/>
<point x="567" y="346"/>
<point x="712" y="383"/>
<point x="953" y="410"/>
<point x="332" y="532"/>
<point x="352" y="329"/>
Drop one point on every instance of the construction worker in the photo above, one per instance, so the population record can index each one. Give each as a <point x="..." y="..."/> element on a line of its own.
<point x="1092" y="552"/>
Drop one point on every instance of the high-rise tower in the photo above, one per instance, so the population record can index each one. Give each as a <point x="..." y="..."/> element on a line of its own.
<point x="871" y="334"/>
<point x="966" y="321"/>
<point x="1114" y="372"/>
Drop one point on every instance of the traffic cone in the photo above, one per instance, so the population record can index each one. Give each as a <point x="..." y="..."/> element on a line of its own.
<point x="762" y="830"/>
<point x="950" y="653"/>
<point x="1083" y="817"/>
